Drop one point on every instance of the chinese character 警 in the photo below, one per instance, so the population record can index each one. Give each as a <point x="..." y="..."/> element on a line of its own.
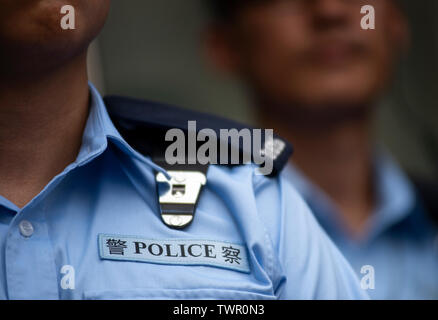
<point x="116" y="246"/>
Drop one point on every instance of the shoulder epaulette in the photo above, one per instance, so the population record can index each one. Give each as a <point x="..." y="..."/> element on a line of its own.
<point x="144" y="124"/>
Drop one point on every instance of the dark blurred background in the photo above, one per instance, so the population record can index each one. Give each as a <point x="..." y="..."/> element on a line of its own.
<point x="152" y="50"/>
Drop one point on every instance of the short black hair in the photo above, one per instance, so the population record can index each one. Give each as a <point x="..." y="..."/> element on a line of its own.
<point x="226" y="10"/>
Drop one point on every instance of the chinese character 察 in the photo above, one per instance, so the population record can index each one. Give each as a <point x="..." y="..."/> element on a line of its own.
<point x="231" y="254"/>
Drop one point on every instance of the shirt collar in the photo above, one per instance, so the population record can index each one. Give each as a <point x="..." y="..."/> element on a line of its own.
<point x="99" y="129"/>
<point x="396" y="198"/>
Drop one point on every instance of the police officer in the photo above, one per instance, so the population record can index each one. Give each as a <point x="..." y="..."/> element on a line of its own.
<point x="315" y="76"/>
<point x="81" y="216"/>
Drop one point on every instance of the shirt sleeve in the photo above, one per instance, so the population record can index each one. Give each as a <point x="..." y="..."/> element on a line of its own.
<point x="308" y="263"/>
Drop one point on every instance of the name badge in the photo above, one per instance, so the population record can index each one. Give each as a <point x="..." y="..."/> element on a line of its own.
<point x="173" y="251"/>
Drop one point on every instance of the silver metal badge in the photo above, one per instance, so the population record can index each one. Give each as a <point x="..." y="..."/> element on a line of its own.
<point x="184" y="189"/>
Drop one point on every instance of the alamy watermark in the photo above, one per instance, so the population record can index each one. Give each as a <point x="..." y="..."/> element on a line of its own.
<point x="68" y="278"/>
<point x="68" y="20"/>
<point x="369" y="19"/>
<point x="368" y="280"/>
<point x="231" y="147"/>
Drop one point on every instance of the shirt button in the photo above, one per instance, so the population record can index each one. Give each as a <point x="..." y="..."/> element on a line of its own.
<point x="26" y="228"/>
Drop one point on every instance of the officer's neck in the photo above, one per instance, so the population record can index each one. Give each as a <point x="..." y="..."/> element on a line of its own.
<point x="42" y="117"/>
<point x="336" y="156"/>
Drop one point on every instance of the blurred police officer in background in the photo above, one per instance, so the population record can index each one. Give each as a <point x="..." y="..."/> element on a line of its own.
<point x="315" y="76"/>
<point x="79" y="206"/>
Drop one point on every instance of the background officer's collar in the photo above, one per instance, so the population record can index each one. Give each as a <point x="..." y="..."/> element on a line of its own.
<point x="396" y="199"/>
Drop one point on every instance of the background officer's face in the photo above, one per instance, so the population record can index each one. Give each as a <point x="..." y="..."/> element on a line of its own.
<point x="31" y="29"/>
<point x="312" y="53"/>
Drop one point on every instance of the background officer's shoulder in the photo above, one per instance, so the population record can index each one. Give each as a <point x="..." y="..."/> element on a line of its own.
<point x="427" y="192"/>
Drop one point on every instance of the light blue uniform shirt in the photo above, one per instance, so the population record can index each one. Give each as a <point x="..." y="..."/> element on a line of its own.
<point x="400" y="244"/>
<point x="95" y="232"/>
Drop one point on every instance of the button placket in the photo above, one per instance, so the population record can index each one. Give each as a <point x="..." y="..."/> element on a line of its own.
<point x="28" y="244"/>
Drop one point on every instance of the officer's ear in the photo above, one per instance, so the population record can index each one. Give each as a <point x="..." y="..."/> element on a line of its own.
<point x="398" y="27"/>
<point x="220" y="49"/>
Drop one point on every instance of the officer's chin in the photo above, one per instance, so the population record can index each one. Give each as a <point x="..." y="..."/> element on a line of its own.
<point x="39" y="56"/>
